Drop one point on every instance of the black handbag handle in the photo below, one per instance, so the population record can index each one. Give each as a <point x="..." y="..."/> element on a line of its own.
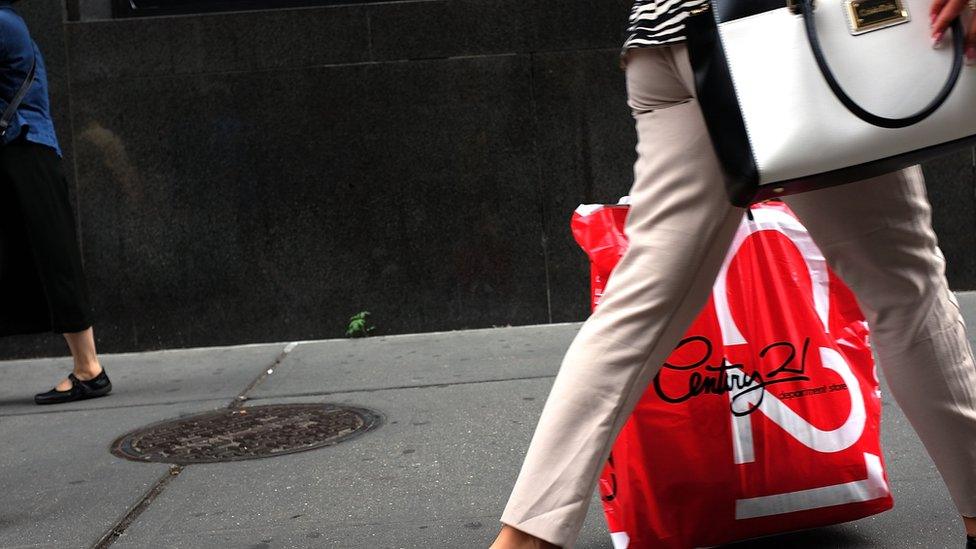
<point x="958" y="42"/>
<point x="11" y="110"/>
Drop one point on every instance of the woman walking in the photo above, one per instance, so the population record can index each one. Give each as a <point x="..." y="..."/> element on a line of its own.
<point x="42" y="284"/>
<point x="875" y="234"/>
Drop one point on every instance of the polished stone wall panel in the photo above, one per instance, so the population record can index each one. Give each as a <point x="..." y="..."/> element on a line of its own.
<point x="586" y="143"/>
<point x="271" y="39"/>
<point x="446" y="28"/>
<point x="952" y="191"/>
<point x="92" y="10"/>
<point x="222" y="42"/>
<point x="403" y="189"/>
<point x="566" y="25"/>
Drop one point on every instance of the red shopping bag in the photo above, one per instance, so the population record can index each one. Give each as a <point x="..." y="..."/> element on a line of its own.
<point x="766" y="417"/>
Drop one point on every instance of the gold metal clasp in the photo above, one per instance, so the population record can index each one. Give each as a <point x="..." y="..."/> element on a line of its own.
<point x="871" y="15"/>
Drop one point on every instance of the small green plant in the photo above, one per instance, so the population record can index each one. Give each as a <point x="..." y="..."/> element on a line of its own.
<point x="359" y="325"/>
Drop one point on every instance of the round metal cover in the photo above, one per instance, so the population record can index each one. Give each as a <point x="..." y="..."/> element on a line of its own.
<point x="244" y="433"/>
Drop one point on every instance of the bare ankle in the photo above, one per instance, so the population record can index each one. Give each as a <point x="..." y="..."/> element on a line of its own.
<point x="87" y="371"/>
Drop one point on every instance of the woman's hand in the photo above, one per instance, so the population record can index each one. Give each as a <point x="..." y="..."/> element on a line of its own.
<point x="942" y="14"/>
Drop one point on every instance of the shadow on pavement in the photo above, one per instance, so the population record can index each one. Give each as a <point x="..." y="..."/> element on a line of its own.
<point x="17" y="401"/>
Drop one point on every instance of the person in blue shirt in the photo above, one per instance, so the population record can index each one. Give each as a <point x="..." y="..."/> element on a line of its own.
<point x="42" y="282"/>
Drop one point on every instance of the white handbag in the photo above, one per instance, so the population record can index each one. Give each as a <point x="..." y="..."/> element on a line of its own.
<point x="798" y="97"/>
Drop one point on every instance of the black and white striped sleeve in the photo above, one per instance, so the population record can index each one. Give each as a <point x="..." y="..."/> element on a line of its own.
<point x="659" y="22"/>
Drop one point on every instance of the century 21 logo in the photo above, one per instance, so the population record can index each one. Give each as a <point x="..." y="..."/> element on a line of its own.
<point x="836" y="440"/>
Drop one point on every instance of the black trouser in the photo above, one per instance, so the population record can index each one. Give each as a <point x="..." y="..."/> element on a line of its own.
<point x="42" y="283"/>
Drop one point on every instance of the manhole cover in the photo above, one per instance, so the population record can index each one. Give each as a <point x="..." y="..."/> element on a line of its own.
<point x="245" y="433"/>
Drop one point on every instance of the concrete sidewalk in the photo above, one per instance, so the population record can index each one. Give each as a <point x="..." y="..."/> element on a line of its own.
<point x="458" y="411"/>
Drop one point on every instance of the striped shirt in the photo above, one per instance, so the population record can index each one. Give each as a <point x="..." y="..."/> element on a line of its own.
<point x="659" y="22"/>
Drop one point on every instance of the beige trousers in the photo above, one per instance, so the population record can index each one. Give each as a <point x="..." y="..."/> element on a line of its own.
<point x="875" y="234"/>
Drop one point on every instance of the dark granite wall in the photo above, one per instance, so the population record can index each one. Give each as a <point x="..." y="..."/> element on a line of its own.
<point x="262" y="176"/>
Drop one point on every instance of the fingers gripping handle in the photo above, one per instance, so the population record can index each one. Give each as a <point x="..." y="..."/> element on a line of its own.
<point x="958" y="44"/>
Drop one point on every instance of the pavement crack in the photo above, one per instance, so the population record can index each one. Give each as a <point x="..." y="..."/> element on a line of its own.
<point x="116" y="531"/>
<point x="243" y="397"/>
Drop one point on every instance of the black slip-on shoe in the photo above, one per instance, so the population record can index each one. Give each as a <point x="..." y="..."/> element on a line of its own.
<point x="971" y="542"/>
<point x="80" y="390"/>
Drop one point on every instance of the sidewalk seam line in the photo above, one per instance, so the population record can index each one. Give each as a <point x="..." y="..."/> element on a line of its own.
<point x="119" y="528"/>
<point x="243" y="397"/>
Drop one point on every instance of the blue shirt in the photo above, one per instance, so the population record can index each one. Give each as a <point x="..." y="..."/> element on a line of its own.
<point x="17" y="51"/>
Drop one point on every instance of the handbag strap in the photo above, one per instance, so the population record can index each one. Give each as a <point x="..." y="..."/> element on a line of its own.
<point x="958" y="40"/>
<point x="11" y="111"/>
